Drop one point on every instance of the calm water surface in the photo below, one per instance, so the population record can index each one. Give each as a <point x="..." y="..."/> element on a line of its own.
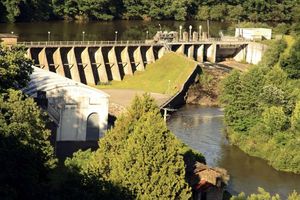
<point x="202" y="129"/>
<point x="127" y="30"/>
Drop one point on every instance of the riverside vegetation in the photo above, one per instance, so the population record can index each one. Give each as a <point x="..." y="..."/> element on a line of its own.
<point x="262" y="106"/>
<point x="232" y="10"/>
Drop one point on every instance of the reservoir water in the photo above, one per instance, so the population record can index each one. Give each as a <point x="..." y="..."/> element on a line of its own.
<point x="202" y="129"/>
<point x="126" y="30"/>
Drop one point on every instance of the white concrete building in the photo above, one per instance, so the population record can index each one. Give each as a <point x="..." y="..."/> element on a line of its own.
<point x="80" y="111"/>
<point x="254" y="33"/>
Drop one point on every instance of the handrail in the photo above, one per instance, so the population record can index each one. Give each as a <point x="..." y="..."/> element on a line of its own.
<point x="81" y="43"/>
<point x="121" y="42"/>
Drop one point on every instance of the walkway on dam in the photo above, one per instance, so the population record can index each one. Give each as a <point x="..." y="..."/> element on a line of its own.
<point x="120" y="99"/>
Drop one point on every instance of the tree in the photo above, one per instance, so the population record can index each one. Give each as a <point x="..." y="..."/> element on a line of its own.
<point x="263" y="195"/>
<point x="26" y="155"/>
<point x="295" y="119"/>
<point x="15" y="69"/>
<point x="236" y="12"/>
<point x="291" y="64"/>
<point x="86" y="9"/>
<point x="151" y="164"/>
<point x="203" y="13"/>
<point x="274" y="119"/>
<point x="141" y="155"/>
<point x="218" y="12"/>
<point x="272" y="55"/>
<point x="12" y="9"/>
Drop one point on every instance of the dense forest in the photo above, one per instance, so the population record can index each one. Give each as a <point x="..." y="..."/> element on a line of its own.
<point x="234" y="10"/>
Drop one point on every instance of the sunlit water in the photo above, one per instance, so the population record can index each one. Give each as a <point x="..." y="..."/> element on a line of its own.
<point x="202" y="129"/>
<point x="126" y="30"/>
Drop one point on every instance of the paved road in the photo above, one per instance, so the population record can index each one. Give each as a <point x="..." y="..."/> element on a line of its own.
<point x="122" y="98"/>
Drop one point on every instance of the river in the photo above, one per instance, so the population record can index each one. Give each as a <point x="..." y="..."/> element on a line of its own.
<point x="126" y="30"/>
<point x="202" y="129"/>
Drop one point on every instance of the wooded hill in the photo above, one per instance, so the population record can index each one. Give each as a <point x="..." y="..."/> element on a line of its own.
<point x="234" y="10"/>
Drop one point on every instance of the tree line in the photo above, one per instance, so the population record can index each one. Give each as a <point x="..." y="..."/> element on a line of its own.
<point x="262" y="106"/>
<point x="234" y="10"/>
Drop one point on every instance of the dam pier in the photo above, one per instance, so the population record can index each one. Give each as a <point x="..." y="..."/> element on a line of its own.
<point x="98" y="62"/>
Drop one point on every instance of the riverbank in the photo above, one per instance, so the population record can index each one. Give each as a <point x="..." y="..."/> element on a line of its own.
<point x="206" y="91"/>
<point x="202" y="129"/>
<point x="283" y="157"/>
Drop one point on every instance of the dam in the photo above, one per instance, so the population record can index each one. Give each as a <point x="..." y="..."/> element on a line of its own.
<point x="98" y="62"/>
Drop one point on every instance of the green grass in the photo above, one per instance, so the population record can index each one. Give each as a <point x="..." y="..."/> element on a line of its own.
<point x="165" y="76"/>
<point x="290" y="42"/>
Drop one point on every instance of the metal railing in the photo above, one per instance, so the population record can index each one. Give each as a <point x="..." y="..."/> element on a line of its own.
<point x="82" y="43"/>
<point x="127" y="43"/>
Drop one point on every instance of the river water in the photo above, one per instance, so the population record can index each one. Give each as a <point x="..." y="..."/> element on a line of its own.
<point x="126" y="30"/>
<point x="202" y="129"/>
<point x="199" y="127"/>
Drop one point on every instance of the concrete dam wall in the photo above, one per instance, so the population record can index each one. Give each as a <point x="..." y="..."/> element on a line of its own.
<point x="98" y="64"/>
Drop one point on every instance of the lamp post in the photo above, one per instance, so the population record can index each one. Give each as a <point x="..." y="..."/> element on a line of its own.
<point x="200" y="32"/>
<point x="116" y="36"/>
<point x="49" y="36"/>
<point x="207" y="28"/>
<point x="190" y="27"/>
<point x="180" y="33"/>
<point x="159" y="27"/>
<point x="12" y="32"/>
<point x="83" y="33"/>
<point x="147" y="34"/>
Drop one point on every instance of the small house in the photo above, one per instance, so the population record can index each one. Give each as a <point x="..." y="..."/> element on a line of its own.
<point x="80" y="111"/>
<point x="8" y="39"/>
<point x="254" y="33"/>
<point x="209" y="183"/>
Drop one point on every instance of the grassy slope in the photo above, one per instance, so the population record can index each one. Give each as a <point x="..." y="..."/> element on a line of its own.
<point x="155" y="78"/>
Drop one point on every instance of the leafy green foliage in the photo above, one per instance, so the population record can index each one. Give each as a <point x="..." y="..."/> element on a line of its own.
<point x="69" y="182"/>
<point x="141" y="155"/>
<point x="274" y="119"/>
<point x="249" y="10"/>
<point x="263" y="195"/>
<point x="85" y="9"/>
<point x="26" y="155"/>
<point x="261" y="115"/>
<point x="291" y="64"/>
<point x="15" y="69"/>
<point x="272" y="55"/>
<point x="295" y="119"/>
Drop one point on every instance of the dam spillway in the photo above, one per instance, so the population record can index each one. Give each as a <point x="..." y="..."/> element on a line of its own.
<point x="98" y="62"/>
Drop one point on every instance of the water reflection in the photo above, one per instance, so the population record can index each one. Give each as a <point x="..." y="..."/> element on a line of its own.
<point x="127" y="30"/>
<point x="202" y="129"/>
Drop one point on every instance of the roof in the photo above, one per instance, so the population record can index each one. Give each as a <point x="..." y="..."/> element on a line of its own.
<point x="42" y="80"/>
<point x="8" y="35"/>
<point x="212" y="175"/>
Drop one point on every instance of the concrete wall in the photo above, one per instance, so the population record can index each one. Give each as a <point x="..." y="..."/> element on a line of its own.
<point x="179" y="99"/>
<point x="99" y="65"/>
<point x="255" y="52"/>
<point x="70" y="104"/>
<point x="74" y="115"/>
